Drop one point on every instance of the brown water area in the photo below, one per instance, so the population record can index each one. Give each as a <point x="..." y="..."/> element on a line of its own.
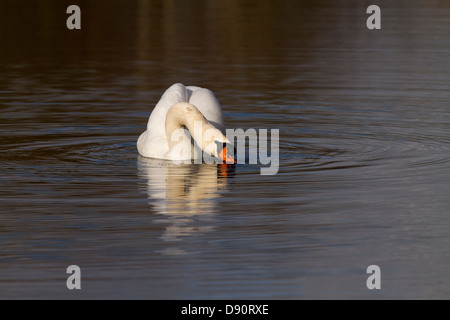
<point x="364" y="120"/>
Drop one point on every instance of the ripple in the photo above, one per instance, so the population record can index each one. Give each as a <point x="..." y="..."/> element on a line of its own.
<point x="395" y="145"/>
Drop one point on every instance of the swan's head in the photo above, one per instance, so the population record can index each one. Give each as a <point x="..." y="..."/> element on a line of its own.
<point x="226" y="152"/>
<point x="218" y="146"/>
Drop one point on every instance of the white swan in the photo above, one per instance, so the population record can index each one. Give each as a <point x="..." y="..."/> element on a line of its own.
<point x="183" y="109"/>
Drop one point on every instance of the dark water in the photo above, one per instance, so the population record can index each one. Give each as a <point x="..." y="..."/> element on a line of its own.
<point x="364" y="120"/>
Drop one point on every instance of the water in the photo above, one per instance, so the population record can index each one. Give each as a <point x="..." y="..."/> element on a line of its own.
<point x="364" y="124"/>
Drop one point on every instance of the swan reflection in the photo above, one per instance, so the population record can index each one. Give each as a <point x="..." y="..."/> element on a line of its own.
<point x="185" y="195"/>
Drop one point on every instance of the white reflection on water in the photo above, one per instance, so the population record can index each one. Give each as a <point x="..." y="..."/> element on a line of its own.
<point x="185" y="195"/>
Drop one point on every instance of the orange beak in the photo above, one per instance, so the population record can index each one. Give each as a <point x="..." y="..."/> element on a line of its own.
<point x="226" y="158"/>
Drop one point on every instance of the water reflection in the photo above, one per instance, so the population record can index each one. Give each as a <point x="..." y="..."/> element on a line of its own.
<point x="185" y="195"/>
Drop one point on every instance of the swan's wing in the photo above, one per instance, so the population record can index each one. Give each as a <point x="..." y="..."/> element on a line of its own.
<point x="175" y="94"/>
<point x="209" y="106"/>
<point x="153" y="142"/>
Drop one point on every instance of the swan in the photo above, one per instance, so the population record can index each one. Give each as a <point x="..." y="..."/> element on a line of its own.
<point x="181" y="109"/>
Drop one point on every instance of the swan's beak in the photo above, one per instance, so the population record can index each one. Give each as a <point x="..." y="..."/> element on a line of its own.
<point x="226" y="157"/>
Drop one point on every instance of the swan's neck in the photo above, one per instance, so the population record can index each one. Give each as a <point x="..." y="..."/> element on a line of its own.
<point x="184" y="115"/>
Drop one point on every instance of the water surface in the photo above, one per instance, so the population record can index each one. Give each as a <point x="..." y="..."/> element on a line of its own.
<point x="364" y="124"/>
